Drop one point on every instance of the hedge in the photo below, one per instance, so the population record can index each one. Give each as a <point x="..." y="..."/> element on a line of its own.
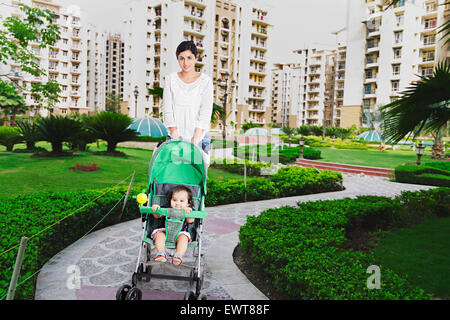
<point x="30" y="214"/>
<point x="285" y="156"/>
<point x="305" y="251"/>
<point x="433" y="174"/>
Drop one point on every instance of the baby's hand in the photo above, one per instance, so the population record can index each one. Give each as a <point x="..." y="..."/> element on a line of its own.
<point x="154" y="208"/>
<point x="188" y="210"/>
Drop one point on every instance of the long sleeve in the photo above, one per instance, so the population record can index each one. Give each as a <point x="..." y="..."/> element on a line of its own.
<point x="167" y="107"/>
<point x="203" y="119"/>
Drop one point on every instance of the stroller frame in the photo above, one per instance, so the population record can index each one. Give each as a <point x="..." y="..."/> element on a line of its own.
<point x="174" y="221"/>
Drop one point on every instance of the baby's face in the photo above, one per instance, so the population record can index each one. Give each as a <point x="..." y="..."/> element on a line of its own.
<point x="180" y="200"/>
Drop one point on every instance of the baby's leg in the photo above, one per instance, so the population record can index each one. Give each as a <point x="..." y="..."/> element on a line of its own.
<point x="182" y="244"/>
<point x="160" y="242"/>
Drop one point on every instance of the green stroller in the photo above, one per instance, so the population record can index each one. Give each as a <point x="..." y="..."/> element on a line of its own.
<point x="175" y="162"/>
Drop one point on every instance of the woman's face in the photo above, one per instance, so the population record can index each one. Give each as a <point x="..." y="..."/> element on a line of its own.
<point x="187" y="60"/>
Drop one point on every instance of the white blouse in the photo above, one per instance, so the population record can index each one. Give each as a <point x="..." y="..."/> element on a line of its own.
<point x="188" y="106"/>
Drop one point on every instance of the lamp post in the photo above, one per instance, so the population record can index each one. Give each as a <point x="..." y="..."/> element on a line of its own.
<point x="136" y="95"/>
<point x="302" y="144"/>
<point x="420" y="148"/>
<point x="223" y="83"/>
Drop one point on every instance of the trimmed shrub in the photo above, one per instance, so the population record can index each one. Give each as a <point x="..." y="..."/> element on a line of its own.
<point x="304" y="251"/>
<point x="29" y="216"/>
<point x="433" y="174"/>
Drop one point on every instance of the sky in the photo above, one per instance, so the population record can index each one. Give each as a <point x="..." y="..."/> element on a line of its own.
<point x="296" y="22"/>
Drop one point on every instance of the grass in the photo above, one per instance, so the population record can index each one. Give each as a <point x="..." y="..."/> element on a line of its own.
<point x="23" y="174"/>
<point x="371" y="158"/>
<point x="422" y="252"/>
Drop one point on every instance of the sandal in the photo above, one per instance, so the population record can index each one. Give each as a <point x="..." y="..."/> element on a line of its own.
<point x="161" y="258"/>
<point x="176" y="261"/>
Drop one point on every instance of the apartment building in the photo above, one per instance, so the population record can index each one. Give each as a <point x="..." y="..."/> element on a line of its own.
<point x="254" y="64"/>
<point x="316" y="102"/>
<point x="288" y="95"/>
<point x="96" y="74"/>
<point x="152" y="31"/>
<point x="65" y="62"/>
<point x="115" y="57"/>
<point x="387" y="51"/>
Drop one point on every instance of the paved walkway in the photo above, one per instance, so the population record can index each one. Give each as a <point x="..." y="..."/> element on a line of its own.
<point x="107" y="258"/>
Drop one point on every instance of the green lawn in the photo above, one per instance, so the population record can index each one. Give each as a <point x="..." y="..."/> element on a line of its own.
<point x="372" y="158"/>
<point x="423" y="253"/>
<point x="22" y="174"/>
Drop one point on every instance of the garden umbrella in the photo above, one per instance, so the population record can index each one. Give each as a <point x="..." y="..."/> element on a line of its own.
<point x="371" y="136"/>
<point x="257" y="132"/>
<point x="149" y="127"/>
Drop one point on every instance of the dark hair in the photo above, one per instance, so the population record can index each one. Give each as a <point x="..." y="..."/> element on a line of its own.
<point x="187" y="45"/>
<point x="178" y="189"/>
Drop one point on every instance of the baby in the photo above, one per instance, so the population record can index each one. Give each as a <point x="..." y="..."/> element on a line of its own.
<point x="180" y="197"/>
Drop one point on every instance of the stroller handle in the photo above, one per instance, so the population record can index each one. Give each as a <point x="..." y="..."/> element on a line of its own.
<point x="165" y="212"/>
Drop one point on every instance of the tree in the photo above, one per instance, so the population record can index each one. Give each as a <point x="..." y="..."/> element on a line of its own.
<point x="15" y="36"/>
<point x="28" y="130"/>
<point x="56" y="130"/>
<point x="11" y="103"/>
<point x="423" y="107"/>
<point x="289" y="132"/>
<point x="112" y="128"/>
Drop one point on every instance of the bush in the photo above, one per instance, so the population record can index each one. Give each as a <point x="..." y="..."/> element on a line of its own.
<point x="433" y="174"/>
<point x="27" y="216"/>
<point x="304" y="251"/>
<point x="289" y="181"/>
<point x="149" y="139"/>
<point x="286" y="156"/>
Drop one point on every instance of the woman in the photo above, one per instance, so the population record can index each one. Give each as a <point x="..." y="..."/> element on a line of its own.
<point x="188" y="99"/>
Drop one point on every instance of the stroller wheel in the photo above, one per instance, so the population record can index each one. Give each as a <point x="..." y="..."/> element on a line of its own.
<point x="134" y="294"/>
<point x="202" y="297"/>
<point x="189" y="296"/>
<point x="122" y="292"/>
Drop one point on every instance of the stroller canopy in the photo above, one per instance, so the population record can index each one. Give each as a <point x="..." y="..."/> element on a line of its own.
<point x="179" y="162"/>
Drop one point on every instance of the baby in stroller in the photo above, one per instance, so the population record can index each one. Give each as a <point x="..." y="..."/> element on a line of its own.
<point x="179" y="197"/>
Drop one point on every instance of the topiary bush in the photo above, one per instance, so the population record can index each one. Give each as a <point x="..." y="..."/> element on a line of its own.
<point x="10" y="136"/>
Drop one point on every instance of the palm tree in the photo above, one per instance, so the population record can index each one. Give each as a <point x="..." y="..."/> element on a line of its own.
<point x="56" y="130"/>
<point x="29" y="132"/>
<point x="9" y="136"/>
<point x="11" y="103"/>
<point x="112" y="128"/>
<point x="289" y="131"/>
<point x="423" y="107"/>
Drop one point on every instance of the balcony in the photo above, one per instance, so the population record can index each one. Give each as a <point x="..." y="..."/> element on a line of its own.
<point x="194" y="15"/>
<point x="260" y="71"/>
<point x="257" y="108"/>
<point x="370" y="79"/>
<point x="260" y="31"/>
<point x="259" y="84"/>
<point x="429" y="25"/>
<point x="372" y="47"/>
<point x="370" y="94"/>
<point x="196" y="3"/>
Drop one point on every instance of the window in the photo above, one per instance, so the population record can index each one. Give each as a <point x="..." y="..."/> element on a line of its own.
<point x="397" y="53"/>
<point x="398" y="36"/>
<point x="399" y="19"/>
<point x="427" y="71"/>
<point x="428" y="56"/>
<point x="396" y="69"/>
<point x="395" y="85"/>
<point x="367" y="89"/>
